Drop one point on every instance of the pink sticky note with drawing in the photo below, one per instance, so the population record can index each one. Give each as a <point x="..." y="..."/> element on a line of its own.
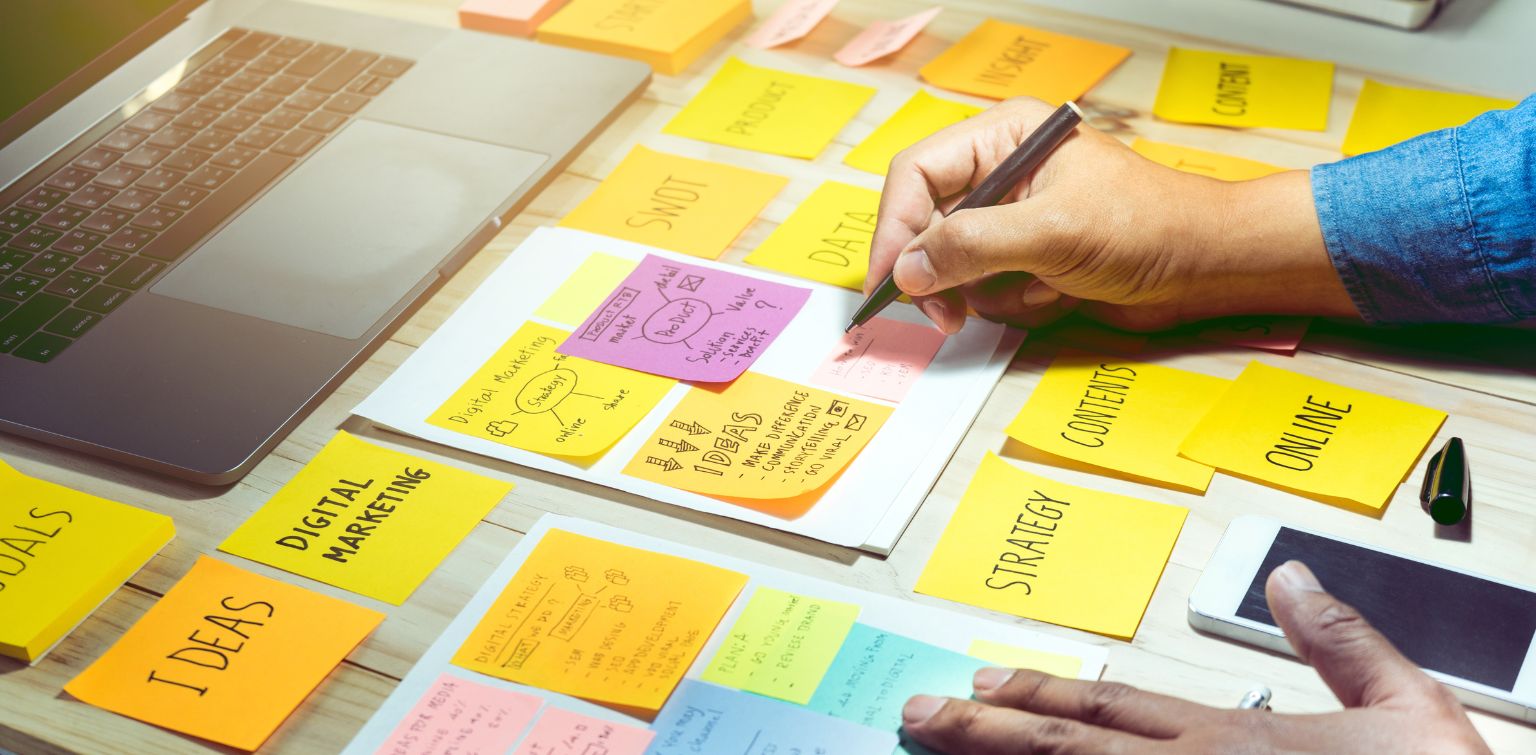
<point x="563" y="732"/>
<point x="458" y="715"/>
<point x="1281" y="335"/>
<point x="686" y="321"/>
<point x="884" y="37"/>
<point x="882" y="359"/>
<point x="793" y="20"/>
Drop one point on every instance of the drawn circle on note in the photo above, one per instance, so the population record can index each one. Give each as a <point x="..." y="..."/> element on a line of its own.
<point x="677" y="321"/>
<point x="546" y="390"/>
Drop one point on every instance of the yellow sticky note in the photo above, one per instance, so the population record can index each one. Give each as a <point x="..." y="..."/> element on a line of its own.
<point x="826" y="238"/>
<point x="1002" y="60"/>
<point x="63" y="552"/>
<point x="530" y="397"/>
<point x="585" y="290"/>
<point x="1032" y="547"/>
<point x="919" y="118"/>
<point x="601" y="621"/>
<point x="1119" y="415"/>
<point x="366" y="519"/>
<point x="1203" y="163"/>
<point x="1385" y="114"/>
<point x="1008" y="656"/>
<point x="782" y="644"/>
<point x="1319" y="439"/>
<point x="769" y="110"/>
<point x="666" y="35"/>
<point x="1230" y="89"/>
<point x="226" y="655"/>
<point x="691" y="206"/>
<point x="759" y="438"/>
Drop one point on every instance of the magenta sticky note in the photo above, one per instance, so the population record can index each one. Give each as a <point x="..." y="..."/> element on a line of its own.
<point x="882" y="359"/>
<point x="519" y="18"/>
<point x="793" y="20"/>
<point x="563" y="732"/>
<point x="1281" y="335"/>
<point x="458" y="715"/>
<point x="686" y="321"/>
<point x="883" y="38"/>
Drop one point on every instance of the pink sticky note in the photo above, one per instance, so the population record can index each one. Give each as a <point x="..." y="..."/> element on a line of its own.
<point x="1281" y="335"/>
<point x="563" y="732"/>
<point x="686" y="321"/>
<point x="883" y="38"/>
<point x="883" y="359"/>
<point x="519" y="18"/>
<point x="793" y="20"/>
<point x="458" y="715"/>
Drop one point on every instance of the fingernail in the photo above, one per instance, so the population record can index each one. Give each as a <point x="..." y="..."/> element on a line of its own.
<point x="1039" y="293"/>
<point x="1297" y="577"/>
<point x="914" y="269"/>
<point x="989" y="679"/>
<point x="920" y="708"/>
<point x="935" y="310"/>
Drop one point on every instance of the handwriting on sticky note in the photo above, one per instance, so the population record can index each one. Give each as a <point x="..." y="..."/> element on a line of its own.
<point x="1009" y="656"/>
<point x="1002" y="60"/>
<point x="921" y="117"/>
<point x="686" y="321"/>
<point x="1385" y="115"/>
<point x="883" y="38"/>
<point x="1231" y="89"/>
<point x="882" y="358"/>
<point x="459" y="715"/>
<point x="782" y="644"/>
<point x="226" y="655"/>
<point x="704" y="718"/>
<point x="563" y="732"/>
<point x="827" y="237"/>
<point x="366" y="519"/>
<point x="529" y="396"/>
<point x="1033" y="547"/>
<point x="601" y="621"/>
<point x="1203" y="163"/>
<point x="793" y="20"/>
<point x="769" y="111"/>
<point x="585" y="289"/>
<point x="1320" y="439"/>
<point x="1281" y="335"/>
<point x="691" y="206"/>
<point x="667" y="35"/>
<point x="876" y="671"/>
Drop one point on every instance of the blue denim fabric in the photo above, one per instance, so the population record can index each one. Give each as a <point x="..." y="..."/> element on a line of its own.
<point x="1440" y="228"/>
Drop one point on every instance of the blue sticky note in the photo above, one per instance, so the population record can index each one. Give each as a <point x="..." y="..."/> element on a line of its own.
<point x="876" y="671"/>
<point x="703" y="717"/>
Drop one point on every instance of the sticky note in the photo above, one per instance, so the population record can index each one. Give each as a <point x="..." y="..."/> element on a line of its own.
<point x="827" y="237"/>
<point x="1281" y="335"/>
<point x="62" y="553"/>
<point x="1032" y="547"/>
<point x="883" y="38"/>
<point x="585" y="289"/>
<point x="768" y="110"/>
<point x="1203" y="163"/>
<point x="704" y="718"/>
<point x="367" y="519"/>
<point x="1386" y="114"/>
<point x="570" y="621"/>
<point x="758" y="438"/>
<point x="459" y="715"/>
<point x="1119" y="415"/>
<point x="1002" y="60"/>
<point x="226" y="655"/>
<point x="1311" y="437"/>
<point x="691" y="206"/>
<point x="876" y="671"/>
<point x="1008" y="656"/>
<point x="1231" y="89"/>
<point x="883" y="358"/>
<point x="921" y="117"/>
<point x="565" y="732"/>
<point x="668" y="36"/>
<point x="529" y="396"/>
<point x="782" y="644"/>
<point x="793" y="20"/>
<point x="518" y="18"/>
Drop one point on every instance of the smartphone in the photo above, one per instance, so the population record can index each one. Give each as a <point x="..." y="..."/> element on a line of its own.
<point x="1473" y="633"/>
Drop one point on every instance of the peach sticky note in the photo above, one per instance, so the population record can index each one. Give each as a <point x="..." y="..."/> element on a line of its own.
<point x="883" y="358"/>
<point x="518" y="18"/>
<point x="585" y="290"/>
<point x="919" y="118"/>
<point x="564" y="732"/>
<point x="1319" y="439"/>
<point x="1008" y="656"/>
<point x="883" y="38"/>
<point x="1002" y="60"/>
<point x="793" y="20"/>
<point x="529" y="396"/>
<point x="1203" y="163"/>
<point x="1032" y="547"/>
<point x="601" y="621"/>
<point x="767" y="110"/>
<point x="1385" y="114"/>
<point x="1119" y="415"/>
<point x="459" y="715"/>
<point x="691" y="206"/>
<point x="666" y="35"/>
<point x="1281" y="335"/>
<point x="782" y="644"/>
<point x="226" y="655"/>
<point x="367" y="519"/>
<point x="826" y="238"/>
<point x="1230" y="89"/>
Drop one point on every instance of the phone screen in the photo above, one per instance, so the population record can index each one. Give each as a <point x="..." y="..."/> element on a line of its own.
<point x="1442" y="620"/>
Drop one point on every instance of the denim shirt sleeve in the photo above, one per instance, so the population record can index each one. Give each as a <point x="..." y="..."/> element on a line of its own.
<point x="1440" y="228"/>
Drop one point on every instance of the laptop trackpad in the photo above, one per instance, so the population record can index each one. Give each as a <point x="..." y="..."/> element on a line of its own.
<point x="337" y="243"/>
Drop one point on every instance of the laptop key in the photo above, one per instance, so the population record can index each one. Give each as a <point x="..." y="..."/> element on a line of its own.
<point x="21" y="286"/>
<point x="219" y="205"/>
<point x="267" y="65"/>
<point x="183" y="198"/>
<point x="208" y="177"/>
<point x="306" y="100"/>
<point x="148" y="121"/>
<point x="245" y="82"/>
<point x="186" y="160"/>
<point x="259" y="138"/>
<point x="97" y="158"/>
<point x="132" y="201"/>
<point x="212" y="140"/>
<point x="102" y="299"/>
<point x="221" y="100"/>
<point x="173" y="102"/>
<point x="28" y="318"/>
<point x="42" y="347"/>
<point x="341" y="72"/>
<point x="196" y="119"/>
<point x="198" y="84"/>
<point x="283" y="84"/>
<point x="78" y="242"/>
<point x="234" y="157"/>
<point x="42" y="199"/>
<point x="260" y="103"/>
<point x="72" y="323"/>
<point x="251" y="45"/>
<point x="15" y="219"/>
<point x="6" y="307"/>
<point x="145" y="158"/>
<point x="346" y="102"/>
<point x="34" y="239"/>
<point x="315" y="60"/>
<point x="72" y="283"/>
<point x="11" y="260"/>
<point x="235" y="122"/>
<point x="63" y="218"/>
<point x="323" y="122"/>
<point x="221" y="67"/>
<point x="368" y="85"/>
<point x="159" y="180"/>
<point x="135" y="273"/>
<point x="100" y="262"/>
<point x="70" y="179"/>
<point x="296" y="143"/>
<point x="155" y="218"/>
<point x="171" y="138"/>
<point x="283" y="120"/>
<point x="92" y="197"/>
<point x="289" y="47"/>
<point x="391" y="67"/>
<point x="119" y="176"/>
<point x="128" y="240"/>
<point x="124" y="139"/>
<point x="50" y="264"/>
<point x="107" y="220"/>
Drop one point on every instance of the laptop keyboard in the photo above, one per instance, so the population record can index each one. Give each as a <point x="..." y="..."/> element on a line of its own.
<point x="108" y="214"/>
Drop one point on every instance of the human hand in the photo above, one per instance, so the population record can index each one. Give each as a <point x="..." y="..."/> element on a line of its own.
<point x="1097" y="228"/>
<point x="1390" y="705"/>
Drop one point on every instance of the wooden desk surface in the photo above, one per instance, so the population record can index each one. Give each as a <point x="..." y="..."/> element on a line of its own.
<point x="1477" y="377"/>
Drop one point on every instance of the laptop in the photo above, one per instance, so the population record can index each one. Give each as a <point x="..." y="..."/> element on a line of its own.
<point x="210" y="212"/>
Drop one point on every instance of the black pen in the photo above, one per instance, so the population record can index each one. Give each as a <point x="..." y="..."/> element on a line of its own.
<point x="1034" y="149"/>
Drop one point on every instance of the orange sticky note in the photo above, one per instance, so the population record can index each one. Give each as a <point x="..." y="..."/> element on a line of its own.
<point x="1002" y="60"/>
<point x="883" y="38"/>
<point x="518" y="18"/>
<point x="226" y="655"/>
<point x="793" y="20"/>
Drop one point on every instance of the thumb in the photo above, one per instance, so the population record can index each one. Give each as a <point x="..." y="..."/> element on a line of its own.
<point x="971" y="244"/>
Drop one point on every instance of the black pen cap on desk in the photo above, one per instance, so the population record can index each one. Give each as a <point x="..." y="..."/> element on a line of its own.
<point x="1447" y="491"/>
